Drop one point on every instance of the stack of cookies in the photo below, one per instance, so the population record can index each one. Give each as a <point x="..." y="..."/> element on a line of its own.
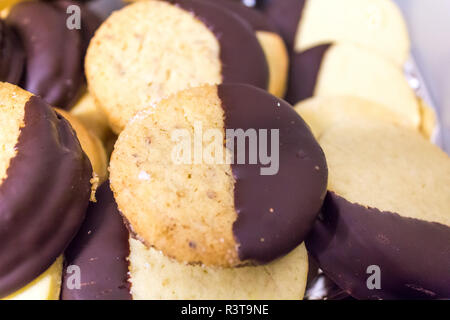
<point x="154" y="150"/>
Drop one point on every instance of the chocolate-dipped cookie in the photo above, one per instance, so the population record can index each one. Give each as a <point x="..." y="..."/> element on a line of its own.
<point x="12" y="55"/>
<point x="225" y="206"/>
<point x="151" y="49"/>
<point x="375" y="24"/>
<point x="345" y="69"/>
<point x="385" y="228"/>
<point x="115" y="266"/>
<point x="53" y="52"/>
<point x="45" y="187"/>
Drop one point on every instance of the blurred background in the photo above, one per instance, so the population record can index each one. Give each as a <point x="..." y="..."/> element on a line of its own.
<point x="429" y="27"/>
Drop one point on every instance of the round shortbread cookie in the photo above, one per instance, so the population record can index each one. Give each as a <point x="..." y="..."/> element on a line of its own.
<point x="154" y="276"/>
<point x="377" y="25"/>
<point x="151" y="49"/>
<point x="321" y="113"/>
<point x="386" y="214"/>
<point x="44" y="190"/>
<point x="205" y="208"/>
<point x="345" y="69"/>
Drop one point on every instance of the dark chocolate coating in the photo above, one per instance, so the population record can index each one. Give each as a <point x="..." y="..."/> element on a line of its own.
<point x="44" y="198"/>
<point x="274" y="212"/>
<point x="104" y="8"/>
<point x="101" y="250"/>
<point x="322" y="288"/>
<point x="242" y="57"/>
<point x="256" y="19"/>
<point x="12" y="55"/>
<point x="413" y="255"/>
<point x="89" y="21"/>
<point x="286" y="15"/>
<point x="304" y="72"/>
<point x="54" y="67"/>
<point x="319" y="286"/>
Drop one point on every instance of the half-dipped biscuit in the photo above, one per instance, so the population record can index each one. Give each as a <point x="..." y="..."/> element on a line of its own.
<point x="345" y="69"/>
<point x="385" y="228"/>
<point x="151" y="49"/>
<point x="116" y="266"/>
<point x="215" y="204"/>
<point x="45" y="186"/>
<point x="375" y="24"/>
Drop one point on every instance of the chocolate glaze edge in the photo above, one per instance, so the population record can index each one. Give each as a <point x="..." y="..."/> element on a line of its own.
<point x="413" y="255"/>
<point x="242" y="57"/>
<point x="271" y="221"/>
<point x="304" y="73"/>
<point x="101" y="250"/>
<point x="12" y="55"/>
<point x="286" y="15"/>
<point x="255" y="18"/>
<point x="44" y="197"/>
